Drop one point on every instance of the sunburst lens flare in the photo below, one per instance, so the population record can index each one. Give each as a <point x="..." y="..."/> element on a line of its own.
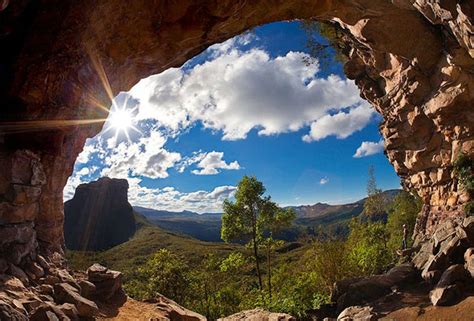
<point x="121" y="120"/>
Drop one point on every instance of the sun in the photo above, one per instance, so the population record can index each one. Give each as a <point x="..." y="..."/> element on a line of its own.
<point x="121" y="120"/>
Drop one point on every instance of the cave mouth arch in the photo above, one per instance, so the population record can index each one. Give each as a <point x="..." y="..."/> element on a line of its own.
<point x="405" y="58"/>
<point x="249" y="90"/>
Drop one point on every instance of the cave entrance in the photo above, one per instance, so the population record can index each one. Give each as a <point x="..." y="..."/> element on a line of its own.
<point x="273" y="102"/>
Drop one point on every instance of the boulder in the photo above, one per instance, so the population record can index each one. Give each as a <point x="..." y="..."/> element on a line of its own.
<point x="423" y="255"/>
<point x="357" y="291"/>
<point x="443" y="231"/>
<point x="469" y="259"/>
<point x="18" y="273"/>
<point x="449" y="287"/>
<point x="357" y="313"/>
<point x="108" y="283"/>
<point x="88" y="289"/>
<point x="455" y="273"/>
<point x="48" y="312"/>
<point x="70" y="311"/>
<point x="46" y="289"/>
<point x="8" y="312"/>
<point x="34" y="270"/>
<point x="65" y="293"/>
<point x="445" y="295"/>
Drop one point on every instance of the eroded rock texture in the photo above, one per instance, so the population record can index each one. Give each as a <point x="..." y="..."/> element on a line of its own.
<point x="62" y="61"/>
<point x="99" y="216"/>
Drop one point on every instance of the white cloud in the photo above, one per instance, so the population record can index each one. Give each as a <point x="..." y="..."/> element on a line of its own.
<point x="323" y="181"/>
<point x="147" y="158"/>
<point x="369" y="148"/>
<point x="239" y="91"/>
<point x="208" y="163"/>
<point x="87" y="152"/>
<point x="342" y="125"/>
<point x="169" y="198"/>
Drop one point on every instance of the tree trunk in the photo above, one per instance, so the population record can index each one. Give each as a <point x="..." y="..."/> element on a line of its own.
<point x="255" y="253"/>
<point x="269" y="269"/>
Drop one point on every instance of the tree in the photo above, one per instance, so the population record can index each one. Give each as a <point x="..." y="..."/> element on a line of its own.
<point x="164" y="273"/>
<point x="367" y="247"/>
<point x="276" y="220"/>
<point x="376" y="203"/>
<point x="464" y="171"/>
<point x="403" y="210"/>
<point x="250" y="216"/>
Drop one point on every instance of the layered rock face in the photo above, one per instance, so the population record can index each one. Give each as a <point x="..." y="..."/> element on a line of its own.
<point x="99" y="216"/>
<point x="62" y="62"/>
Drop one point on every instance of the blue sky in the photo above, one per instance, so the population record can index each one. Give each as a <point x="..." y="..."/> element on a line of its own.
<point x="248" y="106"/>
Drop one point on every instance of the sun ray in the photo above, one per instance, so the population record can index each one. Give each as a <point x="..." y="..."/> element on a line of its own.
<point x="42" y="125"/>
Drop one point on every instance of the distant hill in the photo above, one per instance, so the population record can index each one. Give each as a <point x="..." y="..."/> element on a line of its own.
<point x="99" y="216"/>
<point x="334" y="219"/>
<point x="204" y="227"/>
<point x="147" y="240"/>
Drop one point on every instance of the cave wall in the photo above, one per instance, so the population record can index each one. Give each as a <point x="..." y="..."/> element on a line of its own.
<point x="64" y="60"/>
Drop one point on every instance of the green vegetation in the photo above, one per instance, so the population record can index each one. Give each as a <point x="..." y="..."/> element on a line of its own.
<point x="325" y="42"/>
<point x="375" y="207"/>
<point x="464" y="170"/>
<point x="254" y="218"/>
<point x="219" y="279"/>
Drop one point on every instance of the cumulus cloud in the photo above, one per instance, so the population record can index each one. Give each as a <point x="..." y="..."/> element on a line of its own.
<point x="239" y="91"/>
<point x="171" y="199"/>
<point x="147" y="157"/>
<point x="208" y="163"/>
<point x="369" y="148"/>
<point x="87" y="152"/>
<point x="342" y="125"/>
<point x="323" y="181"/>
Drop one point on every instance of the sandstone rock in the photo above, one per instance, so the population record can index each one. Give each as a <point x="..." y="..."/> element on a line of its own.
<point x="45" y="313"/>
<point x="95" y="207"/>
<point x="70" y="311"/>
<point x="443" y="232"/>
<point x="35" y="270"/>
<point x="423" y="255"/>
<point x="46" y="289"/>
<point x="357" y="291"/>
<point x="256" y="315"/>
<point x="42" y="262"/>
<point x="431" y="276"/>
<point x="445" y="296"/>
<point x="469" y="259"/>
<point x="11" y="283"/>
<point x="108" y="283"/>
<point x="51" y="279"/>
<point x="357" y="313"/>
<point x="64" y="276"/>
<point x="7" y="312"/>
<point x="65" y="293"/>
<point x="88" y="289"/>
<point x="455" y="273"/>
<point x="18" y="273"/>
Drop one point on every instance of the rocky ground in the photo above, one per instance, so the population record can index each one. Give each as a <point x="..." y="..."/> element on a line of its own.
<point x="435" y="283"/>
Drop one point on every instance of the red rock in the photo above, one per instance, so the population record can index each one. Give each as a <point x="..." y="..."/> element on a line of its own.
<point x="65" y="293"/>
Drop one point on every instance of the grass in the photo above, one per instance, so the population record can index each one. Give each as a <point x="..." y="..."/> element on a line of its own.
<point x="146" y="241"/>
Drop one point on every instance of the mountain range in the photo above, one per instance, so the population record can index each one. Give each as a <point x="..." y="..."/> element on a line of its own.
<point x="310" y="220"/>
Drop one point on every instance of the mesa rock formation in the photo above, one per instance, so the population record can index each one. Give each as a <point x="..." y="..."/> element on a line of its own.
<point x="99" y="216"/>
<point x="62" y="62"/>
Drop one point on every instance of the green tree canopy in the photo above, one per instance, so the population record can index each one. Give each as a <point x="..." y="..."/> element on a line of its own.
<point x="252" y="216"/>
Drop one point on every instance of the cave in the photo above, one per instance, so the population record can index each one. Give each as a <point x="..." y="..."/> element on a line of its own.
<point x="63" y="62"/>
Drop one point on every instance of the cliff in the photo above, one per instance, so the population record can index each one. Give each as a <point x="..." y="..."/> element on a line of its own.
<point x="99" y="216"/>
